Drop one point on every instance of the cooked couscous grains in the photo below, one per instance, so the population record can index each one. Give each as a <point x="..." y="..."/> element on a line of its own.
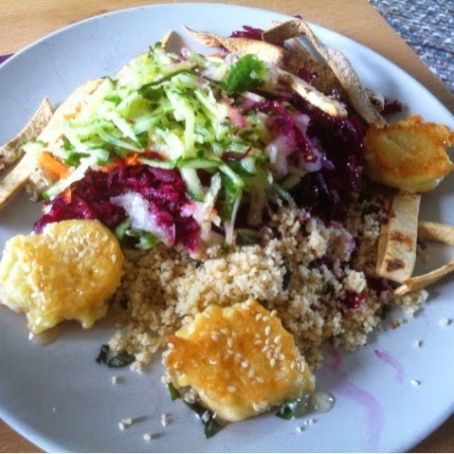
<point x="319" y="279"/>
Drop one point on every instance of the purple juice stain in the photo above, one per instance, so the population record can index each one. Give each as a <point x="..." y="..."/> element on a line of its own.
<point x="4" y="57"/>
<point x="388" y="359"/>
<point x="375" y="418"/>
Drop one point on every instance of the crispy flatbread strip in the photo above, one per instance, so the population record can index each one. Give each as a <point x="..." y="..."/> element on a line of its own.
<point x="312" y="95"/>
<point x="171" y="42"/>
<point x="27" y="168"/>
<point x="397" y="243"/>
<point x="265" y="51"/>
<point x="301" y="59"/>
<point x="16" y="179"/>
<point x="11" y="151"/>
<point x="337" y="61"/>
<point x="69" y="108"/>
<point x="424" y="280"/>
<point x="434" y="231"/>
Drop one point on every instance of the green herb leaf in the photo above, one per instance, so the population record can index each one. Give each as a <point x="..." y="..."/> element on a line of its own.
<point x="287" y="410"/>
<point x="121" y="360"/>
<point x="121" y="229"/>
<point x="247" y="73"/>
<point x="212" y="426"/>
<point x="103" y="354"/>
<point x="174" y="393"/>
<point x="147" y="241"/>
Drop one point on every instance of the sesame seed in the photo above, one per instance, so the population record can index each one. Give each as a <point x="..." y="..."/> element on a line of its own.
<point x="258" y="317"/>
<point x="215" y="336"/>
<point x="267" y="331"/>
<point x="416" y="382"/>
<point x="124" y="423"/>
<point x="273" y="313"/>
<point x="260" y="406"/>
<point x="114" y="380"/>
<point x="281" y="357"/>
<point x="230" y="342"/>
<point x="147" y="437"/>
<point x="244" y="364"/>
<point x="231" y="389"/>
<point x="258" y="342"/>
<point x="277" y="339"/>
<point x="260" y="379"/>
<point x="300" y="429"/>
<point x="205" y="416"/>
<point x="113" y="258"/>
<point x="272" y="362"/>
<point x="418" y="344"/>
<point x="444" y="322"/>
<point x="251" y="373"/>
<point x="165" y="419"/>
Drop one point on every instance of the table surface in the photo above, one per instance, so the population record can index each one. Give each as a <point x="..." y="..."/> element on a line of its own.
<point x="23" y="21"/>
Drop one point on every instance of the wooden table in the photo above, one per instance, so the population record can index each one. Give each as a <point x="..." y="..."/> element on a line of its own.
<point x="23" y="21"/>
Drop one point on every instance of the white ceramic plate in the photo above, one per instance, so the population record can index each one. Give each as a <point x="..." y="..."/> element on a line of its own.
<point x="59" y="398"/>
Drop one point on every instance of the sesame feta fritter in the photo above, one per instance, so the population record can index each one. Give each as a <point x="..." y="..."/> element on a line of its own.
<point x="68" y="272"/>
<point x="239" y="359"/>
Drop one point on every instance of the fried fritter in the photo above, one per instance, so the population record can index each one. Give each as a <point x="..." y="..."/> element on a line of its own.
<point x="239" y="360"/>
<point x="66" y="273"/>
<point x="409" y="155"/>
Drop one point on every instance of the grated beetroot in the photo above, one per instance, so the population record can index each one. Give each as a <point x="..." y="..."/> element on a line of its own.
<point x="164" y="189"/>
<point x="392" y="107"/>
<point x="354" y="300"/>
<point x="329" y="191"/>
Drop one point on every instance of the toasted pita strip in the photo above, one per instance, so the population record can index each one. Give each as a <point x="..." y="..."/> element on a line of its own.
<point x="171" y="42"/>
<point x="326" y="81"/>
<point x="265" y="51"/>
<point x="11" y="151"/>
<point x="433" y="231"/>
<point x="397" y="243"/>
<point x="312" y="95"/>
<point x="28" y="166"/>
<point x="15" y="180"/>
<point x="424" y="280"/>
<point x="71" y="106"/>
<point x="337" y="61"/>
<point x="300" y="58"/>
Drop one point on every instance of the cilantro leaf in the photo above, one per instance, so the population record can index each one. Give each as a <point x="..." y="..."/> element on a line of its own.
<point x="247" y="73"/>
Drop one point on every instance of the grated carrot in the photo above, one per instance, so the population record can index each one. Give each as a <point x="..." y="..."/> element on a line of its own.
<point x="52" y="166"/>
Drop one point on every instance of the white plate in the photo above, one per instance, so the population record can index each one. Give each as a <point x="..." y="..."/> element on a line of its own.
<point x="59" y="398"/>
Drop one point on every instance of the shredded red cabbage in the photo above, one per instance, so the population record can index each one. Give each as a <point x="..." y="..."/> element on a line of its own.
<point x="248" y="32"/>
<point x="90" y="199"/>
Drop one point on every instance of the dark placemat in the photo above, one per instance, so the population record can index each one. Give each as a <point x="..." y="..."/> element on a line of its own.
<point x="427" y="26"/>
